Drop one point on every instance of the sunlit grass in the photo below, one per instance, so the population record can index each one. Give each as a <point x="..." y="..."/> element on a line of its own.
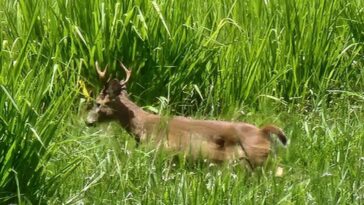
<point x="294" y="63"/>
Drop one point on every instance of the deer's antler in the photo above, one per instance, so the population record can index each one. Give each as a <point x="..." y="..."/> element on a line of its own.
<point x="101" y="74"/>
<point x="128" y="74"/>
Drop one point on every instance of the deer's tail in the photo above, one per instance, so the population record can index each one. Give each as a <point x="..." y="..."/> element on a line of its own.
<point x="271" y="129"/>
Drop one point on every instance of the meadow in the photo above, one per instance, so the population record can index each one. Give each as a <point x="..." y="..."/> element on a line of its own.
<point x="298" y="64"/>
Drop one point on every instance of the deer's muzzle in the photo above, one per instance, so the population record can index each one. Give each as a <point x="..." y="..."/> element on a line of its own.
<point x="92" y="118"/>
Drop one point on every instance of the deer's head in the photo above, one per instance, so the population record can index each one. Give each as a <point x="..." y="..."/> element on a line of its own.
<point x="108" y="102"/>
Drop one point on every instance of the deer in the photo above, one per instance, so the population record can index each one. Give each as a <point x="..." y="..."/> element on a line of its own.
<point x="213" y="140"/>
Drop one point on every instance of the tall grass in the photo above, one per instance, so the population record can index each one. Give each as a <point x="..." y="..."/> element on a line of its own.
<point x="298" y="63"/>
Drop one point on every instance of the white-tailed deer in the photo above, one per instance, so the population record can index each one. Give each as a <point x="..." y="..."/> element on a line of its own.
<point x="217" y="141"/>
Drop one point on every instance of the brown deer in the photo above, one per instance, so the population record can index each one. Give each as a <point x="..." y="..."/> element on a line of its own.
<point x="217" y="141"/>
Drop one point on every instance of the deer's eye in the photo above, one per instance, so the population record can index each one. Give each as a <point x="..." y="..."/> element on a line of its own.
<point x="98" y="104"/>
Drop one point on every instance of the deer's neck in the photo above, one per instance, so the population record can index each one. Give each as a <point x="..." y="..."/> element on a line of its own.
<point x="132" y="117"/>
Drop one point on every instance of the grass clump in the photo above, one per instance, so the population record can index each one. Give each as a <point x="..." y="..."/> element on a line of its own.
<point x="296" y="63"/>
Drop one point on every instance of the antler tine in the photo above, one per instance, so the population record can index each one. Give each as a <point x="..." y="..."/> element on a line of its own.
<point x="99" y="72"/>
<point x="128" y="74"/>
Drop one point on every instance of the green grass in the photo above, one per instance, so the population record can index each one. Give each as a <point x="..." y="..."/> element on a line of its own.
<point x="295" y="63"/>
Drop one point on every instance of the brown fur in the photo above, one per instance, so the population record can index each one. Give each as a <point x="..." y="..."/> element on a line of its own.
<point x="217" y="141"/>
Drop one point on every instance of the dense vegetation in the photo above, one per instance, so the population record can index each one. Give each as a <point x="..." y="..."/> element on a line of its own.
<point x="298" y="64"/>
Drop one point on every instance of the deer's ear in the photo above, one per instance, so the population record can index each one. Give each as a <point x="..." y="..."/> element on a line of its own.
<point x="113" y="88"/>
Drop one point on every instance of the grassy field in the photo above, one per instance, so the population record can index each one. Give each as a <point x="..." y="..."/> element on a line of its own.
<point x="298" y="64"/>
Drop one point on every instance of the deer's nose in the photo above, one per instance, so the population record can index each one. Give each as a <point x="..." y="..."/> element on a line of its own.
<point x="91" y="118"/>
<point x="88" y="123"/>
